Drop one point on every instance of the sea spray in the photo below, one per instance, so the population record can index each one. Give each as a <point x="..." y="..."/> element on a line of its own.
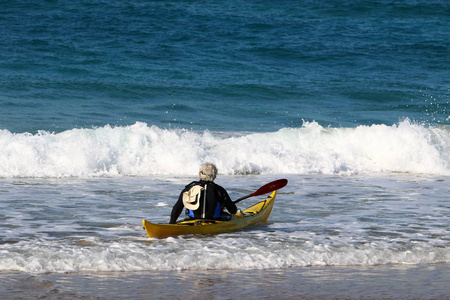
<point x="140" y="150"/>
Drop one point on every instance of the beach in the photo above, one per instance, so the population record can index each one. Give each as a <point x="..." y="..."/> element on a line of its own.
<point x="376" y="282"/>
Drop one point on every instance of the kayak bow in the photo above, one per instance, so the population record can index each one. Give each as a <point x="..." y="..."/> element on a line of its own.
<point x="255" y="214"/>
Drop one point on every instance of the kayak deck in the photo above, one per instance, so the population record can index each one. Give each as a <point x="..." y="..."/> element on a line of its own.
<point x="258" y="213"/>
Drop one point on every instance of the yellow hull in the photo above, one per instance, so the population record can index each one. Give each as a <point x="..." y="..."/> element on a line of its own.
<point x="255" y="214"/>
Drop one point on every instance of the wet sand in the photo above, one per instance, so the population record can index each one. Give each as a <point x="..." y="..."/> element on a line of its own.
<point x="378" y="282"/>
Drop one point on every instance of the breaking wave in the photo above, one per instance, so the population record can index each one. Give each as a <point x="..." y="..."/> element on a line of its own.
<point x="140" y="150"/>
<point x="198" y="254"/>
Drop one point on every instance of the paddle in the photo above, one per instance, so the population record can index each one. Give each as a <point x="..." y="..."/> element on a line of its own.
<point x="267" y="188"/>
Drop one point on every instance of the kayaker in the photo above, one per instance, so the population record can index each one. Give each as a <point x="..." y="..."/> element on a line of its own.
<point x="204" y="199"/>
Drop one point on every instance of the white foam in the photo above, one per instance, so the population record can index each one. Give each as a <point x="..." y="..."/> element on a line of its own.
<point x="202" y="254"/>
<point x="140" y="150"/>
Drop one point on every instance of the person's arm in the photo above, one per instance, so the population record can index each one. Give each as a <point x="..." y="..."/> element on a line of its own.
<point x="177" y="209"/>
<point x="227" y="202"/>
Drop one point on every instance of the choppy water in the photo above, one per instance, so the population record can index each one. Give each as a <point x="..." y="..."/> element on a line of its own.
<point x="94" y="224"/>
<point x="140" y="150"/>
<point x="222" y="65"/>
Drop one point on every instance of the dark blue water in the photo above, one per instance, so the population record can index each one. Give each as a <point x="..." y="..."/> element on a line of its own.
<point x="222" y="65"/>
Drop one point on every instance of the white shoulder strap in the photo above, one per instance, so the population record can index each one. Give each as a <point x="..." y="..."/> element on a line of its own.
<point x="204" y="203"/>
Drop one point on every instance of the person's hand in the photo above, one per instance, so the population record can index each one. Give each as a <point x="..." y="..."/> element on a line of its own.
<point x="239" y="213"/>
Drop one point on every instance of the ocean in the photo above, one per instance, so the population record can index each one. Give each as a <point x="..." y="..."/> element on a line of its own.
<point x="108" y="108"/>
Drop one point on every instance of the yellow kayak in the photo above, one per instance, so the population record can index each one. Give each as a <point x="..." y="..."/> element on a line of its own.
<point x="255" y="214"/>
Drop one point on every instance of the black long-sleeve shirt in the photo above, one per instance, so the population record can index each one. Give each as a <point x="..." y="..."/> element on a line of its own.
<point x="214" y="194"/>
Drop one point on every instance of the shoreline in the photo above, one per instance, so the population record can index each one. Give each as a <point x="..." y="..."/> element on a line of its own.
<point x="346" y="282"/>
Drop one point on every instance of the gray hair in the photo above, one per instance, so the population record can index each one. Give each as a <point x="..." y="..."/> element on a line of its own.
<point x="208" y="172"/>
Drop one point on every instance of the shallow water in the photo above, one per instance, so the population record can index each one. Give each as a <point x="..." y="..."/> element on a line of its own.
<point x="76" y="225"/>
<point x="376" y="282"/>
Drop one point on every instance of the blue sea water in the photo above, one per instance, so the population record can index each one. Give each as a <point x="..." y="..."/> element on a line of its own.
<point x="107" y="108"/>
<point x="222" y="65"/>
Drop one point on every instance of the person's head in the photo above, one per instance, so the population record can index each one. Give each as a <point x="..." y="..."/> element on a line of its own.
<point x="208" y="172"/>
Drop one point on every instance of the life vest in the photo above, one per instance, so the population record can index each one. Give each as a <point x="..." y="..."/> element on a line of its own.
<point x="197" y="195"/>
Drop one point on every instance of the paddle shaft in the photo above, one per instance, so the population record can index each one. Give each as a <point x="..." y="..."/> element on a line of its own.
<point x="267" y="188"/>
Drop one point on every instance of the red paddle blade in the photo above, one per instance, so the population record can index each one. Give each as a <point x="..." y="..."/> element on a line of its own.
<point x="270" y="187"/>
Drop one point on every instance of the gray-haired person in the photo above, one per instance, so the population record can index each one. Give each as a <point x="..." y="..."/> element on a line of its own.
<point x="204" y="199"/>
